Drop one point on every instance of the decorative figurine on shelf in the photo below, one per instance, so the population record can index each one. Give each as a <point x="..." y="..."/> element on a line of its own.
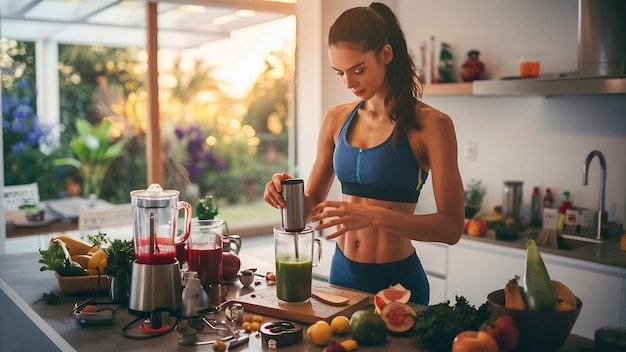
<point x="472" y="69"/>
<point x="446" y="66"/>
<point x="205" y="209"/>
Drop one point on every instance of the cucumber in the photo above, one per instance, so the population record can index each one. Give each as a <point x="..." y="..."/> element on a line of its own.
<point x="537" y="286"/>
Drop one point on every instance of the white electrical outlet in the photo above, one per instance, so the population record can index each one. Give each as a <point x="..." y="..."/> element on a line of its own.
<point x="471" y="151"/>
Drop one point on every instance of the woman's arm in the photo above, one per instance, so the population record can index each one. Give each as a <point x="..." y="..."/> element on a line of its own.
<point x="322" y="173"/>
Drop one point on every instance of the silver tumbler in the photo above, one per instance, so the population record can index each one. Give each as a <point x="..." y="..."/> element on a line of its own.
<point x="512" y="199"/>
<point x="293" y="218"/>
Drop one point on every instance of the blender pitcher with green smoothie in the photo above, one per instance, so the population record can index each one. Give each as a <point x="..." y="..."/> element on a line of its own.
<point x="293" y="244"/>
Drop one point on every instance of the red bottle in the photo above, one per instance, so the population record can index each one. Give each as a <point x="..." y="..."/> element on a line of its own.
<point x="548" y="199"/>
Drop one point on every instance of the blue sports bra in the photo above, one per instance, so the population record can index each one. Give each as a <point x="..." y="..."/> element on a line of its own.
<point x="378" y="172"/>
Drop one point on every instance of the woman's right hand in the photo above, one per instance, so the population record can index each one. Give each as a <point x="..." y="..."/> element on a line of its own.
<point x="273" y="188"/>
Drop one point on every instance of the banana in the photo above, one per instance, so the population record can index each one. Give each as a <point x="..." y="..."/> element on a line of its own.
<point x="98" y="260"/>
<point x="82" y="259"/>
<point x="76" y="246"/>
<point x="513" y="295"/>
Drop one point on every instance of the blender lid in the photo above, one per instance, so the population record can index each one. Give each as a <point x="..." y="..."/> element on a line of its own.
<point x="153" y="197"/>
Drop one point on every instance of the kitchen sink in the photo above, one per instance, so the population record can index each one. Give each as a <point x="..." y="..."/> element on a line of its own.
<point x="568" y="242"/>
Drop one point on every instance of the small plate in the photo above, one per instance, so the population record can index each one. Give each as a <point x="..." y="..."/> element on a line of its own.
<point x="104" y="316"/>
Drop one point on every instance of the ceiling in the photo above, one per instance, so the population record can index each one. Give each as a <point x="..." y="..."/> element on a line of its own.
<point x="122" y="23"/>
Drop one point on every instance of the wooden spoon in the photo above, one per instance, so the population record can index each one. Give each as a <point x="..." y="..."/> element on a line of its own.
<point x="329" y="298"/>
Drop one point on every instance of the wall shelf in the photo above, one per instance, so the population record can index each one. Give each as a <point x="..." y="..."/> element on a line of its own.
<point x="599" y="85"/>
<point x="448" y="89"/>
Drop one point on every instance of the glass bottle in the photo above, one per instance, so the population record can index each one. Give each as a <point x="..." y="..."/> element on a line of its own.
<point x="535" y="208"/>
<point x="548" y="199"/>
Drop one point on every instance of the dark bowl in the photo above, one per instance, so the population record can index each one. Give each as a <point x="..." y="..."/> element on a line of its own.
<point x="538" y="331"/>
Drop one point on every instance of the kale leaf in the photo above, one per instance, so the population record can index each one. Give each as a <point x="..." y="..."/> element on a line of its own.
<point x="57" y="258"/>
<point x="440" y="323"/>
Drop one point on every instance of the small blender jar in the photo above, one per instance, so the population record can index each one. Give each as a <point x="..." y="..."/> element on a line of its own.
<point x="155" y="214"/>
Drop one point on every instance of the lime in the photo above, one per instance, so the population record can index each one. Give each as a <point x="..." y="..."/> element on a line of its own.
<point x="367" y="327"/>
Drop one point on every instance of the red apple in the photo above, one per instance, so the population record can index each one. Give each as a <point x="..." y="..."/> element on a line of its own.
<point x="505" y="332"/>
<point x="474" y="341"/>
<point x="477" y="227"/>
<point x="230" y="266"/>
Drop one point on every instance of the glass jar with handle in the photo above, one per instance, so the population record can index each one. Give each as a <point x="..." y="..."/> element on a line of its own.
<point x="294" y="255"/>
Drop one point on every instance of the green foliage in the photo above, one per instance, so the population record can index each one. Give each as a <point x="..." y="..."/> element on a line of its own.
<point x="94" y="154"/>
<point x="206" y="209"/>
<point x="23" y="135"/>
<point x="474" y="193"/>
<point x="446" y="64"/>
<point x="440" y="323"/>
<point x="100" y="84"/>
<point x="121" y="254"/>
<point x="117" y="183"/>
<point x="57" y="258"/>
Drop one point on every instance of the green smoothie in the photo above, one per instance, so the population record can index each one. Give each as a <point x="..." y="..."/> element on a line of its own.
<point x="293" y="279"/>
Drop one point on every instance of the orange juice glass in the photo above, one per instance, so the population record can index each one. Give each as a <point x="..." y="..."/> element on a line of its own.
<point x="529" y="66"/>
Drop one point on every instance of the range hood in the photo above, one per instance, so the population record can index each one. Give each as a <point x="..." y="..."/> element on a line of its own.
<point x="601" y="58"/>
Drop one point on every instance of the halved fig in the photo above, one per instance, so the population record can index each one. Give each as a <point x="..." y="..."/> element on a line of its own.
<point x="399" y="317"/>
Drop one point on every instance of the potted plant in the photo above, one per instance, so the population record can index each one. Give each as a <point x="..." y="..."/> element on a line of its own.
<point x="474" y="194"/>
<point x="94" y="153"/>
<point x="121" y="254"/>
<point x="120" y="257"/>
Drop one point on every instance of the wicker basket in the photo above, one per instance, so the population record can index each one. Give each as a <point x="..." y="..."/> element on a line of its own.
<point x="82" y="284"/>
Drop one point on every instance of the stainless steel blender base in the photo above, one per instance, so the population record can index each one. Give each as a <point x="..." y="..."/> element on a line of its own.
<point x="155" y="286"/>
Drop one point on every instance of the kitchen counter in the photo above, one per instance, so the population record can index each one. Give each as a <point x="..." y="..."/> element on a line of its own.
<point x="607" y="253"/>
<point x="25" y="285"/>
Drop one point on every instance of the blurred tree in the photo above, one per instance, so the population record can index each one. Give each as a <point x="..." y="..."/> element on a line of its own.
<point x="269" y="106"/>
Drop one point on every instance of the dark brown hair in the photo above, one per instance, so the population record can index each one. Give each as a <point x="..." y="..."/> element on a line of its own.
<point x="370" y="29"/>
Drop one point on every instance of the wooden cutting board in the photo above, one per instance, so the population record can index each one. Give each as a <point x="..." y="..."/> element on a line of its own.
<point x="264" y="302"/>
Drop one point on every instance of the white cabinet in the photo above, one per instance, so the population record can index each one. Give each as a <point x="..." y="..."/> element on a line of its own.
<point x="475" y="272"/>
<point x="476" y="268"/>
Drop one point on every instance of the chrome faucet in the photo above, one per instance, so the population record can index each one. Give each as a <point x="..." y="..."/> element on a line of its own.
<point x="601" y="215"/>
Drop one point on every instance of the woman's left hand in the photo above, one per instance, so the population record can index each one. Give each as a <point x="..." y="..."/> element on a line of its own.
<point x="346" y="216"/>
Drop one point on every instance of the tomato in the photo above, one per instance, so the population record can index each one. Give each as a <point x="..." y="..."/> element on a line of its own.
<point x="90" y="309"/>
<point x="248" y="318"/>
<point x="474" y="341"/>
<point x="230" y="266"/>
<point x="505" y="332"/>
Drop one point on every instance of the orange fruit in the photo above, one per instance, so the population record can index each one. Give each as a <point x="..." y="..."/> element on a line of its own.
<point x="340" y="324"/>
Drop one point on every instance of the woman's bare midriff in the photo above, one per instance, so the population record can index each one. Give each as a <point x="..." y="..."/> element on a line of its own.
<point x="375" y="245"/>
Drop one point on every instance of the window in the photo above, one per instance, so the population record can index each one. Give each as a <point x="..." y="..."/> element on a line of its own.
<point x="225" y="104"/>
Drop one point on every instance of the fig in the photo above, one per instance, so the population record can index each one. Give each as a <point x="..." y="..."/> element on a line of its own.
<point x="395" y="293"/>
<point x="399" y="317"/>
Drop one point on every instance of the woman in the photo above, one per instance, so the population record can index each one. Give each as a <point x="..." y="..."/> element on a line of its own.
<point x="382" y="149"/>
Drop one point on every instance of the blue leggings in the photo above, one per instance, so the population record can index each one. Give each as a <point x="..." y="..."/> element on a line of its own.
<point x="375" y="277"/>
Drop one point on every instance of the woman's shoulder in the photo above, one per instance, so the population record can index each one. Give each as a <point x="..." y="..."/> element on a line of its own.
<point x="339" y="114"/>
<point x="342" y="110"/>
<point x="427" y="115"/>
